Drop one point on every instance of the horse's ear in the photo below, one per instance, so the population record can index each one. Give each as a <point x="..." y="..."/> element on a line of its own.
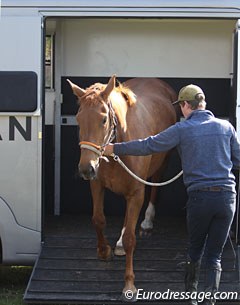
<point x="109" y="88"/>
<point x="79" y="92"/>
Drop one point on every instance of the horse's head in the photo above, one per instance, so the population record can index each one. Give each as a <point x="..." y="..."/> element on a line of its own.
<point x="97" y="123"/>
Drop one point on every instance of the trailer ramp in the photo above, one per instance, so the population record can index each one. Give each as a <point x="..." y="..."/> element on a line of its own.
<point x="68" y="271"/>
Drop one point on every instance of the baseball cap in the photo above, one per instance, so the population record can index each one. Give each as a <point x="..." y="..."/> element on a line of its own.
<point x="189" y="93"/>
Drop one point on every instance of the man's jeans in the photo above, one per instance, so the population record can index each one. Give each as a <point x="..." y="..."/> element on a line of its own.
<point x="209" y="218"/>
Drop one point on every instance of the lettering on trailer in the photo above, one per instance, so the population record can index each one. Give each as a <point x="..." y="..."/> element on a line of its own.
<point x="25" y="131"/>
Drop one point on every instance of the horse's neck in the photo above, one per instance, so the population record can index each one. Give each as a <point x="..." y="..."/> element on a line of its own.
<point x="120" y="107"/>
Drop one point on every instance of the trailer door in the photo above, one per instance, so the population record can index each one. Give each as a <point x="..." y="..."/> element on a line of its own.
<point x="20" y="137"/>
<point x="236" y="75"/>
<point x="236" y="98"/>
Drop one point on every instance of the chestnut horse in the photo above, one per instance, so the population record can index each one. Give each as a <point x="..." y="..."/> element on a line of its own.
<point x="135" y="109"/>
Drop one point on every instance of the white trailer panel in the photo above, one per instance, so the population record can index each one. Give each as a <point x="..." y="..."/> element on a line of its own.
<point x="21" y="155"/>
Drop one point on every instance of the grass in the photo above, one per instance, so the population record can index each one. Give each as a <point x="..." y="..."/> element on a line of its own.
<point x="13" y="282"/>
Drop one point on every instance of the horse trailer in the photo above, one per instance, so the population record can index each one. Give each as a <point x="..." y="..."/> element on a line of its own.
<point x="45" y="209"/>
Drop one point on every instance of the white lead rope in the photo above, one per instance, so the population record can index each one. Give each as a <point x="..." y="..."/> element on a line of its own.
<point x="117" y="159"/>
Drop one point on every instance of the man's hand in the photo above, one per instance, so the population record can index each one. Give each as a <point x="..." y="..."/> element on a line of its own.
<point x="108" y="149"/>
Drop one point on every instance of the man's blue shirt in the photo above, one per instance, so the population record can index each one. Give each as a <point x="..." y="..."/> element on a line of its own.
<point x="208" y="147"/>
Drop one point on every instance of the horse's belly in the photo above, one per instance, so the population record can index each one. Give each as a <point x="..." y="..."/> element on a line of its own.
<point x="118" y="185"/>
<point x="118" y="180"/>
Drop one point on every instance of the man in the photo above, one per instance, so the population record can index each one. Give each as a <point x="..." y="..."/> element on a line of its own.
<point x="209" y="150"/>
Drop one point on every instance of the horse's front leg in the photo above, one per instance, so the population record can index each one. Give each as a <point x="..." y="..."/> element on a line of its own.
<point x="104" y="250"/>
<point x="134" y="205"/>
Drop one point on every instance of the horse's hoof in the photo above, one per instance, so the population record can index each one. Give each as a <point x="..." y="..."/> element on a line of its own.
<point x="145" y="233"/>
<point x="129" y="296"/>
<point x="119" y="251"/>
<point x="105" y="255"/>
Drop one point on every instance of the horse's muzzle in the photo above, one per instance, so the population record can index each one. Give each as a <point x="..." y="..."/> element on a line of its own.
<point x="88" y="172"/>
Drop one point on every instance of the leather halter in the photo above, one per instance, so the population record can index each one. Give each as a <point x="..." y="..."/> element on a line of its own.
<point x="93" y="147"/>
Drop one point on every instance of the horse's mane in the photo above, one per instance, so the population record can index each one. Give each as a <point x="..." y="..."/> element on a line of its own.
<point x="94" y="90"/>
<point x="127" y="93"/>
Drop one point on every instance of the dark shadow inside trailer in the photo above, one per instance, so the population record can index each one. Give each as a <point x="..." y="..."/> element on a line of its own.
<point x="68" y="270"/>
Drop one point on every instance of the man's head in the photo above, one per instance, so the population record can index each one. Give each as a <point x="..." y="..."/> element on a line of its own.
<point x="193" y="95"/>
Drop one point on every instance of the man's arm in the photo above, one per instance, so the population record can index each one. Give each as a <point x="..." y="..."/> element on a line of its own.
<point x="163" y="141"/>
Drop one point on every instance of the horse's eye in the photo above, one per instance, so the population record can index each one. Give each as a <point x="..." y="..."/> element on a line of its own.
<point x="104" y="120"/>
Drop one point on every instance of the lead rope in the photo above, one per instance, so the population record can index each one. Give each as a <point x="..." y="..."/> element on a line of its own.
<point x="117" y="159"/>
<point x="99" y="151"/>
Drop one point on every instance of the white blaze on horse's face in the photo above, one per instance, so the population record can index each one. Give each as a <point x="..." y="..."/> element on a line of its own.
<point x="94" y="124"/>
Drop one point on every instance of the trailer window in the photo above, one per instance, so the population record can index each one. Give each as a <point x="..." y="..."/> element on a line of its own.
<point x="49" y="62"/>
<point x="18" y="91"/>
